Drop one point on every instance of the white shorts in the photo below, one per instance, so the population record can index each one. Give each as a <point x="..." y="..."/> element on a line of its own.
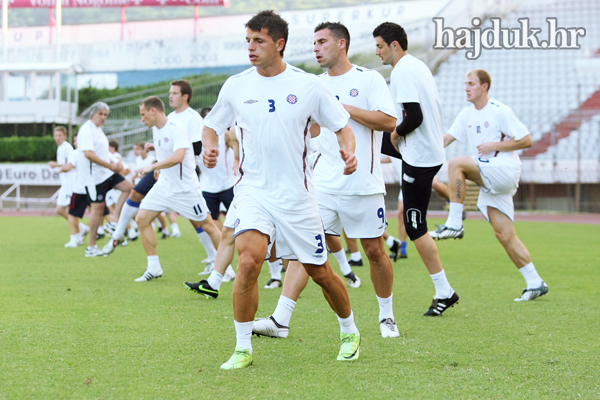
<point x="190" y="205"/>
<point x="362" y="217"/>
<point x="299" y="236"/>
<point x="64" y="197"/>
<point x="112" y="196"/>
<point x="502" y="202"/>
<point x="500" y="175"/>
<point x="230" y="216"/>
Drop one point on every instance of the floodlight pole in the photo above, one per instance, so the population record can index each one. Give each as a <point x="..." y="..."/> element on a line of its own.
<point x="58" y="28"/>
<point x="5" y="31"/>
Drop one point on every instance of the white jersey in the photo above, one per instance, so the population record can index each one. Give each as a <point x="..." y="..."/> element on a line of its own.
<point x="91" y="137"/>
<point x="180" y="177"/>
<point x="82" y="179"/>
<point x="365" y="89"/>
<point x="412" y="82"/>
<point x="62" y="156"/>
<point x="273" y="114"/>
<point x="219" y="178"/>
<point x="141" y="163"/>
<point x="192" y="121"/>
<point x="493" y="123"/>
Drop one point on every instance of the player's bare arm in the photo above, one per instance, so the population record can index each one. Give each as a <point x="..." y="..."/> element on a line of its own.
<point x="210" y="142"/>
<point x="54" y="164"/>
<point x="315" y="130"/>
<point x="376" y="120"/>
<point x="448" y="138"/>
<point x="506" y="145"/>
<point x="149" y="146"/>
<point x="66" y="167"/>
<point x="345" y="138"/>
<point x="90" y="155"/>
<point x="232" y="143"/>
<point x="176" y="158"/>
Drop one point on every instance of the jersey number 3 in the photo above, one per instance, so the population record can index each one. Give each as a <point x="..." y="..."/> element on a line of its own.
<point x="271" y="105"/>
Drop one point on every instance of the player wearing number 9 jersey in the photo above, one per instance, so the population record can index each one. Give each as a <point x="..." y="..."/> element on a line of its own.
<point x="273" y="104"/>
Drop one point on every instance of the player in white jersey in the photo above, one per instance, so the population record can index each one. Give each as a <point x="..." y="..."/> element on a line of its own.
<point x="180" y="95"/>
<point x="494" y="135"/>
<point x="418" y="138"/>
<point x="355" y="201"/>
<point x="78" y="202"/>
<point x="94" y="144"/>
<point x="177" y="188"/>
<point x="273" y="104"/>
<point x="63" y="151"/>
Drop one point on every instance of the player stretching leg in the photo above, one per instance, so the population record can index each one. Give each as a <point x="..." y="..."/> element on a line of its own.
<point x="495" y="134"/>
<point x="418" y="138"/>
<point x="273" y="104"/>
<point x="177" y="187"/>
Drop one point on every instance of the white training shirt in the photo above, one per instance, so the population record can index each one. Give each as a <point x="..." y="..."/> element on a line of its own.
<point x="141" y="163"/>
<point x="82" y="179"/>
<point x="365" y="89"/>
<point x="411" y="82"/>
<point x="62" y="156"/>
<point x="273" y="114"/>
<point x="219" y="178"/>
<point x="91" y="137"/>
<point x="182" y="177"/>
<point x="192" y="121"/>
<point x="493" y="123"/>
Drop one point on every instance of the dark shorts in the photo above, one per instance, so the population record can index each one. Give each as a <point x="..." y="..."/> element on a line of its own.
<point x="79" y="203"/>
<point x="145" y="184"/>
<point x="416" y="193"/>
<point x="104" y="187"/>
<point x="213" y="201"/>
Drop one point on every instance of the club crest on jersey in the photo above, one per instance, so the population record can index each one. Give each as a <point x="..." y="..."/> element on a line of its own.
<point x="166" y="140"/>
<point x="487" y="124"/>
<point x="292" y="99"/>
<point x="354" y="92"/>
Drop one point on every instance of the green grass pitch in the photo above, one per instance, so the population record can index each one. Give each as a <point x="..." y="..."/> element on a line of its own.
<point x="79" y="328"/>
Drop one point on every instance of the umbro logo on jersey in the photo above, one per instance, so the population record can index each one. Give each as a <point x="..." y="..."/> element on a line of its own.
<point x="354" y="92"/>
<point x="251" y="101"/>
<point x="237" y="222"/>
<point x="408" y="178"/>
<point x="292" y="99"/>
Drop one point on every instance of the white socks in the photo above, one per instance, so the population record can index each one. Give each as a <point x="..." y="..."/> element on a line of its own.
<point x="215" y="279"/>
<point x="128" y="212"/>
<point x="385" y="308"/>
<point x="443" y="290"/>
<point x="347" y="324"/>
<point x="283" y="311"/>
<point x="340" y="256"/>
<point x="356" y="256"/>
<point x="455" y="216"/>
<point x="175" y="229"/>
<point x="531" y="276"/>
<point x="275" y="267"/>
<point x="82" y="227"/>
<point x="153" y="263"/>
<point x="211" y="252"/>
<point x="390" y="241"/>
<point x="243" y="334"/>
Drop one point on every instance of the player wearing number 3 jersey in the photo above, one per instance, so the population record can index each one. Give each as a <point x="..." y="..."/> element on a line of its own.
<point x="273" y="104"/>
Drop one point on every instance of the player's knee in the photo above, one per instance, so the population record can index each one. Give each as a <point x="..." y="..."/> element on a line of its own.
<point x="319" y="274"/>
<point x="135" y="196"/>
<point x="374" y="249"/>
<point x="503" y="236"/>
<point x="415" y="227"/>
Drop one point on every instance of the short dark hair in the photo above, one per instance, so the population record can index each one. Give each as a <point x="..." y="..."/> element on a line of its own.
<point x="153" y="102"/>
<point x="338" y="31"/>
<point x="140" y="144"/>
<point x="114" y="144"/>
<point x="204" y="112"/>
<point x="185" y="88"/>
<point x="275" y="25"/>
<point x="391" y="32"/>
